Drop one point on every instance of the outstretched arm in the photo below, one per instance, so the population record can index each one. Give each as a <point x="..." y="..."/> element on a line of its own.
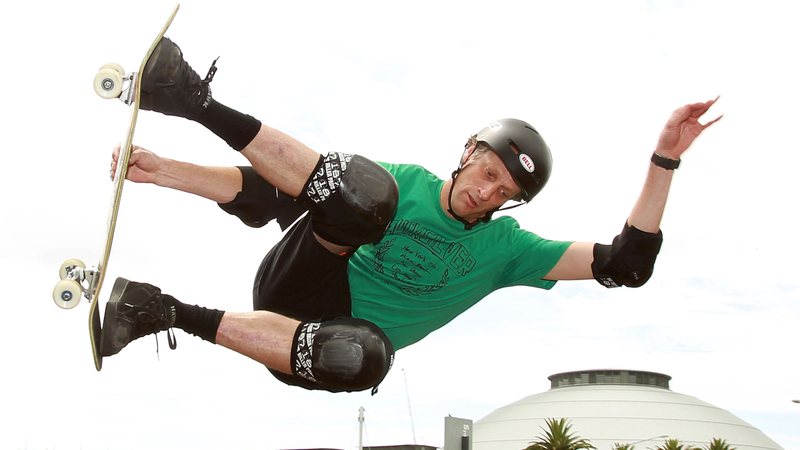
<point x="678" y="134"/>
<point x="681" y="130"/>
<point x="220" y="184"/>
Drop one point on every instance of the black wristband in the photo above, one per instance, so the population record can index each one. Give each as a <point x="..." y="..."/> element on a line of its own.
<point x="664" y="162"/>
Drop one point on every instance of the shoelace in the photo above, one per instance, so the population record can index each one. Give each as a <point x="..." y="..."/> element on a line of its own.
<point x="150" y="320"/>
<point x="173" y="343"/>
<point x="211" y="72"/>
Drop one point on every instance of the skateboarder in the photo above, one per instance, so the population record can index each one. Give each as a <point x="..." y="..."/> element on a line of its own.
<point x="384" y="253"/>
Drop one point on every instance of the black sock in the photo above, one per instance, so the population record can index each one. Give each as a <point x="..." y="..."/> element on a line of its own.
<point x="235" y="128"/>
<point x="199" y="321"/>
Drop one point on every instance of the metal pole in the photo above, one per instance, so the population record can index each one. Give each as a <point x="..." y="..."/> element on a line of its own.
<point x="410" y="415"/>
<point x="361" y="428"/>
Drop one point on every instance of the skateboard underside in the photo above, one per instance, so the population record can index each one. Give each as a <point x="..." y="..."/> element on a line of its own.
<point x="77" y="280"/>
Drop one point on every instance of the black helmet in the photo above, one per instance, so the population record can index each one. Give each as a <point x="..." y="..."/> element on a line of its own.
<point x="523" y="151"/>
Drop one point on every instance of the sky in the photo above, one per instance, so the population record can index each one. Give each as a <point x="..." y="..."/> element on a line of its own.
<point x="405" y="82"/>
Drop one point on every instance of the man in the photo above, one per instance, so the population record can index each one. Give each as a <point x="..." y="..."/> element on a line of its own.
<point x="386" y="253"/>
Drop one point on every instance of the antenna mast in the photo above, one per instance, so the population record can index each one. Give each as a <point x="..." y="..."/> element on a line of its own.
<point x="361" y="428"/>
<point x="410" y="415"/>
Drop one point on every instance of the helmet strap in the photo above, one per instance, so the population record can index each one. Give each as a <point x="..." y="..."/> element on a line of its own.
<point x="510" y="207"/>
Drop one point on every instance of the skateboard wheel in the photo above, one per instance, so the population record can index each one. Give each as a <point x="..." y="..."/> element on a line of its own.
<point x="67" y="294"/>
<point x="116" y="67"/>
<point x="68" y="265"/>
<point x="108" y="83"/>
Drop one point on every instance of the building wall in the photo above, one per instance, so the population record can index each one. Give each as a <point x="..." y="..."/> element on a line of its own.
<point x="609" y="414"/>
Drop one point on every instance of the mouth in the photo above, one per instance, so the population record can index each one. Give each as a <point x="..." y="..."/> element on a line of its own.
<point x="471" y="202"/>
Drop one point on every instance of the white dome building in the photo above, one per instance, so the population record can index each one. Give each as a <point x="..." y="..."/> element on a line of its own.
<point x="616" y="406"/>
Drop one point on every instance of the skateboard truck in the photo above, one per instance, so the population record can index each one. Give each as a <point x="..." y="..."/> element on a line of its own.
<point x="128" y="94"/>
<point x="76" y="281"/>
<point x="111" y="82"/>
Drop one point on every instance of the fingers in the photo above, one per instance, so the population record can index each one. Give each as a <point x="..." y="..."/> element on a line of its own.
<point x="134" y="156"/>
<point x="693" y="112"/>
<point x="706" y="106"/>
<point x="114" y="159"/>
<point x="697" y="109"/>
<point x="711" y="122"/>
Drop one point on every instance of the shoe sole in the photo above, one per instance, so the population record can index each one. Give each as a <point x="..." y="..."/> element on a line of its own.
<point x="106" y="341"/>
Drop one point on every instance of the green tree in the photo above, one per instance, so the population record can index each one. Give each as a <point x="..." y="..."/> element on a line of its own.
<point x="675" y="444"/>
<point x="557" y="436"/>
<point x="718" y="444"/>
<point x="618" y="446"/>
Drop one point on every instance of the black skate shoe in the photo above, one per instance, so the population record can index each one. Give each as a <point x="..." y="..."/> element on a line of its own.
<point x="134" y="310"/>
<point x="171" y="87"/>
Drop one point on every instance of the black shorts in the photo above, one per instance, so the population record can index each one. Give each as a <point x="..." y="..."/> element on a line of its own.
<point x="300" y="278"/>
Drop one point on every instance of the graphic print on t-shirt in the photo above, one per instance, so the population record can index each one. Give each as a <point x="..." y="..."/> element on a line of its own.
<point x="419" y="259"/>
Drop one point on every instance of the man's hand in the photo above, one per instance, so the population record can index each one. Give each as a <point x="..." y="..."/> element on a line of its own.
<point x="682" y="128"/>
<point x="142" y="165"/>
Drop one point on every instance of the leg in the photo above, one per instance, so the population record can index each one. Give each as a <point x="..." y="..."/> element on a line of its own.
<point x="263" y="336"/>
<point x="138" y="309"/>
<point x="339" y="355"/>
<point x="171" y="86"/>
<point x="351" y="200"/>
<point x="282" y="160"/>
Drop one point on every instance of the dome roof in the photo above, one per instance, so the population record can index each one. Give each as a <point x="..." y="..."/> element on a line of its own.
<point x="610" y="406"/>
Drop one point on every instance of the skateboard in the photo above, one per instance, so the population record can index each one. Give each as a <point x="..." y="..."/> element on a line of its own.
<point x="76" y="279"/>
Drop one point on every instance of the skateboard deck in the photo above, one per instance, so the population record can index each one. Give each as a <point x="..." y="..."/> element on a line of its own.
<point x="76" y="280"/>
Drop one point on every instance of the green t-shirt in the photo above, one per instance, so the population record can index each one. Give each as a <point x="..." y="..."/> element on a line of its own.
<point x="428" y="269"/>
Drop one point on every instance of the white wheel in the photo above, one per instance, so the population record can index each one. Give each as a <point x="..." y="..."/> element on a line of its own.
<point x="116" y="67"/>
<point x="67" y="294"/>
<point x="108" y="83"/>
<point x="68" y="265"/>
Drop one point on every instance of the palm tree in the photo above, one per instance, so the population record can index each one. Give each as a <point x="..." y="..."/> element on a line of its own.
<point x="675" y="444"/>
<point x="618" y="446"/>
<point x="557" y="436"/>
<point x="718" y="444"/>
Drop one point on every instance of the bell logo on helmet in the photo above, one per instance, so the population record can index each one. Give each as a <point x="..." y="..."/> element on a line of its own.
<point x="526" y="162"/>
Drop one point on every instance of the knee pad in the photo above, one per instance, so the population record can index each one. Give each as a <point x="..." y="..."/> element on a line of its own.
<point x="629" y="260"/>
<point x="342" y="355"/>
<point x="351" y="199"/>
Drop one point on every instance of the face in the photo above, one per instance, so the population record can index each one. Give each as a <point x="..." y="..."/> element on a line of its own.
<point x="483" y="185"/>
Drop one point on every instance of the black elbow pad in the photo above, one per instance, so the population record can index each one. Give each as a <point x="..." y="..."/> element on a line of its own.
<point x="629" y="260"/>
<point x="259" y="202"/>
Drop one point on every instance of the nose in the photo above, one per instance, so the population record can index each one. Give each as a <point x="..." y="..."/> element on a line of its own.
<point x="487" y="191"/>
